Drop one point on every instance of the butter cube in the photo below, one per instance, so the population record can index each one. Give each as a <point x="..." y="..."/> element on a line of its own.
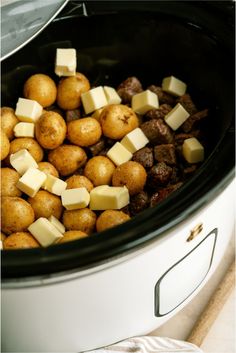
<point x="119" y="154"/>
<point x="31" y="181"/>
<point x="193" y="151"/>
<point x="65" y="64"/>
<point x="93" y="99"/>
<point x="24" y="130"/>
<point x="174" y="86"/>
<point x="176" y="117"/>
<point x="22" y="160"/>
<point x="54" y="185"/>
<point x="134" y="140"/>
<point x="111" y="95"/>
<point x="73" y="199"/>
<point x="144" y="101"/>
<point x="57" y="224"/>
<point x="106" y="197"/>
<point x="28" y="110"/>
<point x="44" y="231"/>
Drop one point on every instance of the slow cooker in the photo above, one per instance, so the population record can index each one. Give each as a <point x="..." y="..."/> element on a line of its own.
<point x="129" y="280"/>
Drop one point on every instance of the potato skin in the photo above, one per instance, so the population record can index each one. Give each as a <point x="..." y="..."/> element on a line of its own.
<point x="20" y="240"/>
<point x="71" y="235"/>
<point x="9" y="179"/>
<point x="83" y="219"/>
<point x="5" y="145"/>
<point x="50" y="130"/>
<point x="84" y="132"/>
<point x="79" y="181"/>
<point x="17" y="214"/>
<point x="46" y="204"/>
<point x="8" y="121"/>
<point x="132" y="175"/>
<point x="99" y="170"/>
<point x="30" y="145"/>
<point x="69" y="91"/>
<point x="48" y="168"/>
<point x="40" y="88"/>
<point x="117" y="120"/>
<point x="67" y="159"/>
<point x="110" y="218"/>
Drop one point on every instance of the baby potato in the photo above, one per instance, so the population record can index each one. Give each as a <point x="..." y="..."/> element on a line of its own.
<point x="3" y="236"/>
<point x="40" y="88"/>
<point x="8" y="121"/>
<point x="20" y="240"/>
<point x="132" y="175"/>
<point x="30" y="145"/>
<point x="110" y="218"/>
<point x="67" y="159"/>
<point x="17" y="214"/>
<point x="48" y="168"/>
<point x="46" y="204"/>
<point x="79" y="181"/>
<point x="83" y="219"/>
<point x="117" y="120"/>
<point x="9" y="179"/>
<point x="71" y="235"/>
<point x="99" y="170"/>
<point x="5" y="145"/>
<point x="50" y="130"/>
<point x="84" y="132"/>
<point x="69" y="91"/>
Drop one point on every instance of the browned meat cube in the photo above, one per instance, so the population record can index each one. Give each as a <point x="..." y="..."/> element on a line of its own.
<point x="165" y="153"/>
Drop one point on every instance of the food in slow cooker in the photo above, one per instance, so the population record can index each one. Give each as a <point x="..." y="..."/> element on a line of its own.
<point x="78" y="159"/>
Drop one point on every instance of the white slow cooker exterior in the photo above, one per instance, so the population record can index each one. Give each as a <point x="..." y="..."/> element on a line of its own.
<point x="86" y="310"/>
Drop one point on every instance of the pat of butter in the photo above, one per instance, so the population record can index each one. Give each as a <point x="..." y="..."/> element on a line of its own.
<point x="65" y="64"/>
<point x="44" y="231"/>
<point x="54" y="185"/>
<point x="111" y="95"/>
<point x="22" y="160"/>
<point x="134" y="140"/>
<point x="193" y="151"/>
<point x="73" y="199"/>
<point x="31" y="181"/>
<point x="106" y="197"/>
<point x="176" y="117"/>
<point x="119" y="154"/>
<point x="144" y="101"/>
<point x="24" y="130"/>
<point x="93" y="99"/>
<point x="56" y="223"/>
<point x="28" y="110"/>
<point x="174" y="86"/>
<point x="97" y="113"/>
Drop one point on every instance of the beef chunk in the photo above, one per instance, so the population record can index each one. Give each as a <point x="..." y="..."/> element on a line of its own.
<point x="162" y="194"/>
<point x="97" y="147"/>
<point x="144" y="156"/>
<point x="157" y="132"/>
<point x="163" y="97"/>
<point x="165" y="153"/>
<point x="193" y="119"/>
<point x="159" y="113"/>
<point x="139" y="202"/>
<point x="72" y="115"/>
<point x="159" y="175"/>
<point x="179" y="138"/>
<point x="128" y="88"/>
<point x="187" y="103"/>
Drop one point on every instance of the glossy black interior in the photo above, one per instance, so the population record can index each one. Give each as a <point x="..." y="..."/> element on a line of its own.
<point x="150" y="40"/>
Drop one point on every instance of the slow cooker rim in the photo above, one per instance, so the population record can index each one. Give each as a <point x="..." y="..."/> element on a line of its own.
<point x="10" y="260"/>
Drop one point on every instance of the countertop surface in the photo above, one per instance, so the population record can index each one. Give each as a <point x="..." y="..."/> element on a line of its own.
<point x="221" y="337"/>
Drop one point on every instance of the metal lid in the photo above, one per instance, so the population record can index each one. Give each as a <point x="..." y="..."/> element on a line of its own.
<point x="22" y="20"/>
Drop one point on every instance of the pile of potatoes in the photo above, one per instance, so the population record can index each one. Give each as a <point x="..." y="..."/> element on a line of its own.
<point x="62" y="137"/>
